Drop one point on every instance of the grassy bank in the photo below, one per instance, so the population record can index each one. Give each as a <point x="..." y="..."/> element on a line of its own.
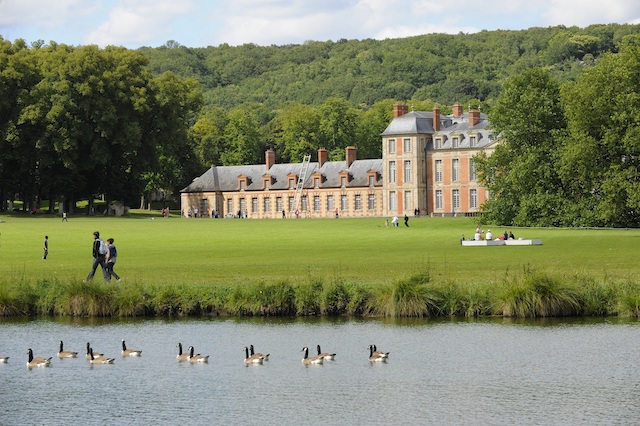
<point x="313" y="267"/>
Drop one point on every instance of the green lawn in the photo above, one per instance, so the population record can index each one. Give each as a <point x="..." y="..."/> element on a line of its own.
<point x="230" y="251"/>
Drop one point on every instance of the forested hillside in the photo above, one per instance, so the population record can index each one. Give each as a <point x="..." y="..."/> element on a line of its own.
<point x="439" y="67"/>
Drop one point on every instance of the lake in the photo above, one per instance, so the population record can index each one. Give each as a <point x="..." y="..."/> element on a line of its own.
<point x="457" y="372"/>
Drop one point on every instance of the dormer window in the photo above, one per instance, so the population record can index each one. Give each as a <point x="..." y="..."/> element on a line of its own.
<point x="316" y="182"/>
<point x="292" y="183"/>
<point x="343" y="181"/>
<point x="473" y="140"/>
<point x="455" y="142"/>
<point x="266" y="182"/>
<point x="438" y="143"/>
<point x="243" y="182"/>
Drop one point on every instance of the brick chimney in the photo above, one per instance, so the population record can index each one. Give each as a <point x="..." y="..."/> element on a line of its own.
<point x="399" y="109"/>
<point x="436" y="118"/>
<point x="474" y="117"/>
<point x="270" y="158"/>
<point x="350" y="155"/>
<point x="322" y="156"/>
<point x="457" y="110"/>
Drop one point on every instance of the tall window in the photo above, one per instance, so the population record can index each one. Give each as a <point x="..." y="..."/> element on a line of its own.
<point x="304" y="203"/>
<point x="455" y="199"/>
<point x="438" y="170"/>
<point x="393" y="202"/>
<point x="343" y="203"/>
<point x="358" y="202"/>
<point x="278" y="204"/>
<point x="472" y="170"/>
<point x="439" y="199"/>
<point x="266" y="201"/>
<point x="254" y="205"/>
<point x="316" y="203"/>
<point x="455" y="170"/>
<point x="407" y="171"/>
<point x="392" y="146"/>
<point x="330" y="202"/>
<point x="230" y="206"/>
<point x="371" y="202"/>
<point x="291" y="201"/>
<point x="406" y="145"/>
<point x="473" y="198"/>
<point x="243" y="206"/>
<point x="392" y="172"/>
<point x="407" y="200"/>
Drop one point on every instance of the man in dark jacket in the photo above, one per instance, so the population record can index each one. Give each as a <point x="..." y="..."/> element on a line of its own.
<point x="99" y="257"/>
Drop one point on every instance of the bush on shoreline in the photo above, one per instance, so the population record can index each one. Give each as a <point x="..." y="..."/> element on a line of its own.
<point x="524" y="295"/>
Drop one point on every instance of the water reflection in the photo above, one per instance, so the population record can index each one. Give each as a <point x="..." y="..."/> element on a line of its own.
<point x="491" y="371"/>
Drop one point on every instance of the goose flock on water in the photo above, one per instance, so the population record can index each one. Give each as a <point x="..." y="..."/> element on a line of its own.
<point x="251" y="357"/>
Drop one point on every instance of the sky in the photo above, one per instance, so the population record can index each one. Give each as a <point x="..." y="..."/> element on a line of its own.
<point x="202" y="23"/>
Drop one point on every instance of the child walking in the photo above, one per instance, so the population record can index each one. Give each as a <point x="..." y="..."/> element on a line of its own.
<point x="112" y="256"/>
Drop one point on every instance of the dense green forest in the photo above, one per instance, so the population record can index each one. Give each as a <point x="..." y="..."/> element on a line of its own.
<point x="439" y="67"/>
<point x="80" y="122"/>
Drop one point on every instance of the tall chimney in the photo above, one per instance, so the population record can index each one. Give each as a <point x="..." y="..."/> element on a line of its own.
<point x="270" y="158"/>
<point x="457" y="110"/>
<point x="399" y="109"/>
<point x="474" y="117"/>
<point x="322" y="156"/>
<point x="436" y="118"/>
<point x="350" y="155"/>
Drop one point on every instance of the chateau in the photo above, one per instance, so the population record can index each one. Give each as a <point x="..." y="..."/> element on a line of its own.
<point x="426" y="168"/>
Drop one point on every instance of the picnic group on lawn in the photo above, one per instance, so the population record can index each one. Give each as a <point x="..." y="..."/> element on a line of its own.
<point x="488" y="236"/>
<point x="104" y="255"/>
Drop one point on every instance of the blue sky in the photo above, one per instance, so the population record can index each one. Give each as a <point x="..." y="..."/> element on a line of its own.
<point x="200" y="23"/>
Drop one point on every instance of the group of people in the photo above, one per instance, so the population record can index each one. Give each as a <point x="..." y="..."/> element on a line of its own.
<point x="105" y="255"/>
<point x="489" y="235"/>
<point x="394" y="221"/>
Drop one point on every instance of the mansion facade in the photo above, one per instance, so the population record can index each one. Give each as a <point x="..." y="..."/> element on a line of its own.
<point x="427" y="167"/>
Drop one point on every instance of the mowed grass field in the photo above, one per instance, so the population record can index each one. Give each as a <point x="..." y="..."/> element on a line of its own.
<point x="174" y="250"/>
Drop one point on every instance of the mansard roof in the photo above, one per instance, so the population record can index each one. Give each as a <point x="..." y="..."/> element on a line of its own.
<point x="225" y="178"/>
<point x="421" y="123"/>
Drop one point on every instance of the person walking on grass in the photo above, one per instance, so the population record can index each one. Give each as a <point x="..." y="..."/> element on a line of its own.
<point x="45" y="247"/>
<point x="99" y="257"/>
<point x="112" y="256"/>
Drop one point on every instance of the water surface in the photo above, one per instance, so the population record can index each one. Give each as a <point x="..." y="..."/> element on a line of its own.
<point x="439" y="372"/>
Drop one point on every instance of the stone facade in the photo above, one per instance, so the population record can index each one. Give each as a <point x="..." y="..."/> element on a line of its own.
<point x="427" y="166"/>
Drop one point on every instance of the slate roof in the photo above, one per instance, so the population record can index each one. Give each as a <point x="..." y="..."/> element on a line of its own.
<point x="421" y="122"/>
<point x="225" y="178"/>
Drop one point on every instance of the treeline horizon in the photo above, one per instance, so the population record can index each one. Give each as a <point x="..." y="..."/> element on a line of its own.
<point x="84" y="122"/>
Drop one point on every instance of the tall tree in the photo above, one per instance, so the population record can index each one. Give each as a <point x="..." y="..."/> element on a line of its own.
<point x="521" y="174"/>
<point x="601" y="162"/>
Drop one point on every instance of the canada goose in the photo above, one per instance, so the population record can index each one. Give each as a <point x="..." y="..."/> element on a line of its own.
<point x="89" y="349"/>
<point x="307" y="360"/>
<point x="38" y="361"/>
<point x="181" y="356"/>
<point x="4" y="359"/>
<point x="326" y="355"/>
<point x="377" y="356"/>
<point x="266" y="356"/>
<point x="100" y="359"/>
<point x="252" y="359"/>
<point x="197" y="358"/>
<point x="66" y="354"/>
<point x="129" y="352"/>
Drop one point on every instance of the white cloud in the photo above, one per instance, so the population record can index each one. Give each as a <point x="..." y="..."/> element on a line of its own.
<point x="587" y="12"/>
<point x="138" y="22"/>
